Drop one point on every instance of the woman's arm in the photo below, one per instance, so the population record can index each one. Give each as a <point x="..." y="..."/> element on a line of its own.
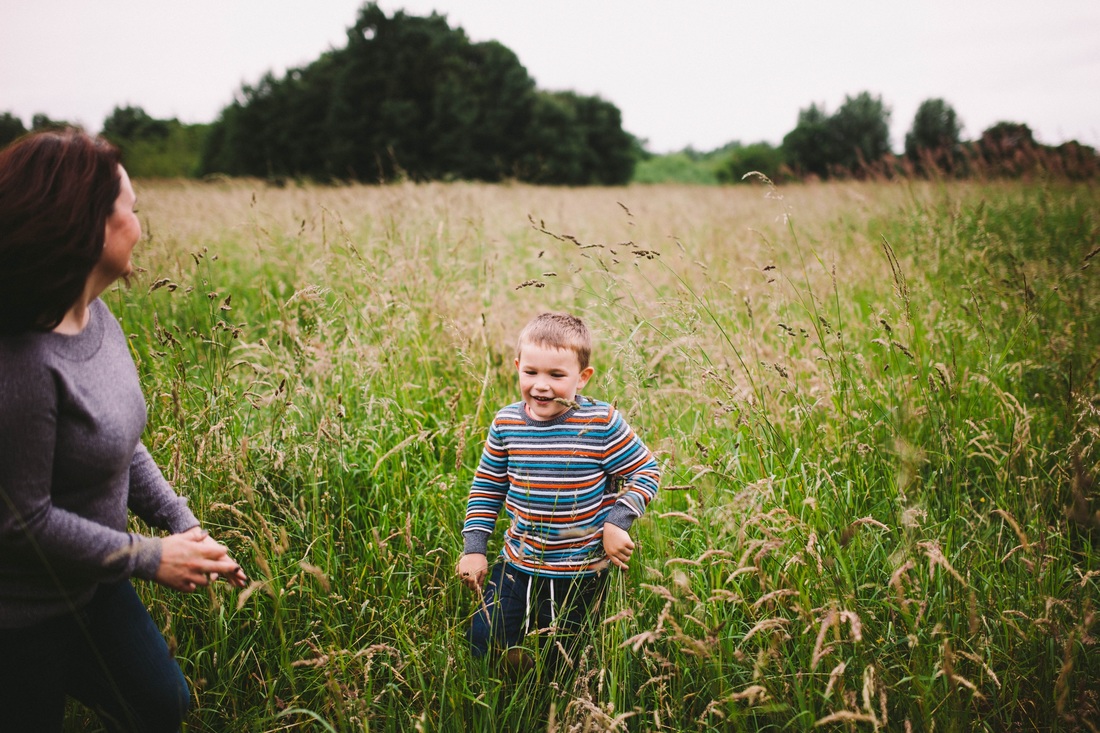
<point x="189" y="556"/>
<point x="152" y="497"/>
<point x="31" y="526"/>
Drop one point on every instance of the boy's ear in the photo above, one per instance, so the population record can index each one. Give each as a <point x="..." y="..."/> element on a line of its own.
<point x="585" y="375"/>
<point x="517" y="363"/>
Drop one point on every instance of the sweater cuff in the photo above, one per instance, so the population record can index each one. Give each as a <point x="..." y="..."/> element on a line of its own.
<point x="146" y="556"/>
<point x="621" y="517"/>
<point x="475" y="542"/>
<point x="182" y="521"/>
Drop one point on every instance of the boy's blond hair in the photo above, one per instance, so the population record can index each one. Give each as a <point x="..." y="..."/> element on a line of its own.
<point x="558" y="331"/>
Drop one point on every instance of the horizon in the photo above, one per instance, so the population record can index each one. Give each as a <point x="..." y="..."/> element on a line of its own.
<point x="692" y="89"/>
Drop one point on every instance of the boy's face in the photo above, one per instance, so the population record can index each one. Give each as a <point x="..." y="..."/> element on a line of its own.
<point x="546" y="375"/>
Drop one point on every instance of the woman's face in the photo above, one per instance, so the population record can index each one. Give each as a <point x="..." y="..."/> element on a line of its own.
<point x="123" y="232"/>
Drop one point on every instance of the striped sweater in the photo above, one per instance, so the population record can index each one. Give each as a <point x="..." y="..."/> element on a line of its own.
<point x="559" y="481"/>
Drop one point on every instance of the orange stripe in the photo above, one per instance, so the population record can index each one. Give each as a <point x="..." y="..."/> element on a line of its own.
<point x="536" y="452"/>
<point x="539" y="518"/>
<point x="557" y="569"/>
<point x="629" y="437"/>
<point x="550" y="548"/>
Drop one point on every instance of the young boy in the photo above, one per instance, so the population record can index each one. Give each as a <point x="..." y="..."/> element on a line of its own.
<point x="572" y="476"/>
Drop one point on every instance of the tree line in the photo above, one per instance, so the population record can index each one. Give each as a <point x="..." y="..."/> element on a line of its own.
<point x="411" y="98"/>
<point x="854" y="142"/>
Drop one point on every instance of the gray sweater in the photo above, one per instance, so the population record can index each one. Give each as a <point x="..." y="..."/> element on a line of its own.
<point x="71" y="466"/>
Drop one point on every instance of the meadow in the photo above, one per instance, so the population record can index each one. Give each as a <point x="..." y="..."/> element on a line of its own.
<point x="876" y="406"/>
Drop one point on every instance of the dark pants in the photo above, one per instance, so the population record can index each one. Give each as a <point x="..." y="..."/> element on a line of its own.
<point x="108" y="655"/>
<point x="516" y="603"/>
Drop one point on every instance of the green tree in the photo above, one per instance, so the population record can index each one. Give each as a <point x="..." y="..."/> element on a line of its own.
<point x="153" y="147"/>
<point x="595" y="149"/>
<point x="406" y="96"/>
<point x="862" y="129"/>
<point x="130" y="124"/>
<point x="11" y="127"/>
<point x="934" y="139"/>
<point x="761" y="157"/>
<point x="850" y="141"/>
<point x="503" y="95"/>
<point x="812" y="147"/>
<point x="383" y="100"/>
<point x="553" y="144"/>
<point x="411" y="97"/>
<point x="41" y="121"/>
<point x="241" y="140"/>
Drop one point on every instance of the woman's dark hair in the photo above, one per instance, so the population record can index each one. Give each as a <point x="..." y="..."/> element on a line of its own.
<point x="57" y="190"/>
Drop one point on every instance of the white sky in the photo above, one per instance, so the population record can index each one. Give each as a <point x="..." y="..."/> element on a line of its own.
<point x="693" y="72"/>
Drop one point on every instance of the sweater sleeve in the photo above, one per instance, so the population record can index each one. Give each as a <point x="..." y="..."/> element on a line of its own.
<point x="627" y="457"/>
<point x="487" y="494"/>
<point x="31" y="525"/>
<point x="152" y="497"/>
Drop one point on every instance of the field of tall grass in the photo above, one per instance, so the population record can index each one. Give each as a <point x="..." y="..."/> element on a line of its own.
<point x="876" y="406"/>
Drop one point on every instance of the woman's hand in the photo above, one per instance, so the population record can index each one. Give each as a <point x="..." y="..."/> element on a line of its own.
<point x="472" y="568"/>
<point x="618" y="545"/>
<point x="191" y="559"/>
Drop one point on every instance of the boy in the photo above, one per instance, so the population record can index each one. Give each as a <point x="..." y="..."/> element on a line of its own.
<point x="555" y="460"/>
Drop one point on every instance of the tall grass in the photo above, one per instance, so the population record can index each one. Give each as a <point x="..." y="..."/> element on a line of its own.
<point x="876" y="406"/>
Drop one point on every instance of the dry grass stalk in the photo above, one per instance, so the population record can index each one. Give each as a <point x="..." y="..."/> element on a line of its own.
<point x="767" y="598"/>
<point x="834" y="618"/>
<point x="847" y="716"/>
<point x="1015" y="528"/>
<point x="836" y="675"/>
<point x="936" y="558"/>
<point x="985" y="667"/>
<point x="768" y="624"/>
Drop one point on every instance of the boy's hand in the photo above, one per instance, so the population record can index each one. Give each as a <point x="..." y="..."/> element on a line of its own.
<point x="617" y="544"/>
<point x="472" y="568"/>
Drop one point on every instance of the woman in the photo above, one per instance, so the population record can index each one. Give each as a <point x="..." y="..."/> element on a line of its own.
<point x="71" y="460"/>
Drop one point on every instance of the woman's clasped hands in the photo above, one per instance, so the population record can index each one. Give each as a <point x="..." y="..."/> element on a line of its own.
<point x="192" y="559"/>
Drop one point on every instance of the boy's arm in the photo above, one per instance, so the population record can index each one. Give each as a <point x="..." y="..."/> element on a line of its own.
<point x="628" y="457"/>
<point x="487" y="493"/>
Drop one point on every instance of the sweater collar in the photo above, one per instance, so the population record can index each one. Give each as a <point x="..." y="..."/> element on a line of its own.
<point x="84" y="345"/>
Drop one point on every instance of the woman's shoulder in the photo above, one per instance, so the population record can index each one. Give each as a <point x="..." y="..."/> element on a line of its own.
<point x="23" y="350"/>
<point x="26" y="365"/>
<point x="47" y="349"/>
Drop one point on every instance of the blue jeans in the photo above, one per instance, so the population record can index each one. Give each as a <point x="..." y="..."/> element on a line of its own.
<point x="109" y="655"/>
<point x="515" y="603"/>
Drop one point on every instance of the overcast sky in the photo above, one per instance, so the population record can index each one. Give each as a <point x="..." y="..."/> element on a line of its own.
<point x="697" y="73"/>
